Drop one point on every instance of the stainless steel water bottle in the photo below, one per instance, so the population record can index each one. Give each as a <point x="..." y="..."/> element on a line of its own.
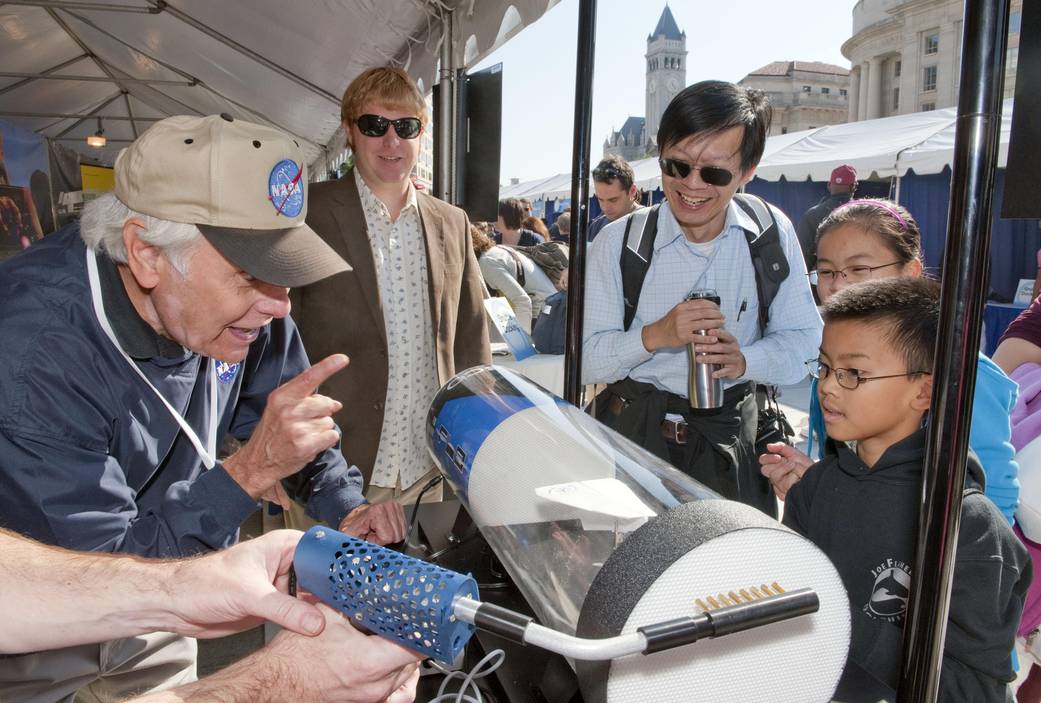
<point x="703" y="390"/>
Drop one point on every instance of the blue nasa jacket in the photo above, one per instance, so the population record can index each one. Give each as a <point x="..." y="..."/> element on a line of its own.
<point x="866" y="519"/>
<point x="89" y="457"/>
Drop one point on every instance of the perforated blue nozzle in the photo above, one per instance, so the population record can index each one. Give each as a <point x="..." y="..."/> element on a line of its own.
<point x="400" y="598"/>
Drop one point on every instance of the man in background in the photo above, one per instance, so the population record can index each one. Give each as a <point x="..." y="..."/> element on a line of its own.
<point x="841" y="185"/>
<point x="410" y="315"/>
<point x="613" y="183"/>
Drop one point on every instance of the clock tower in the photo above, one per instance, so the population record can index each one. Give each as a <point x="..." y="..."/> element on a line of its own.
<point x="666" y="70"/>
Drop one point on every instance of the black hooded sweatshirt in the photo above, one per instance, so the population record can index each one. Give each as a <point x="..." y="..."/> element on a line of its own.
<point x="866" y="521"/>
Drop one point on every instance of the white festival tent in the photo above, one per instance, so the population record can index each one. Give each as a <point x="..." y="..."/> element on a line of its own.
<point x="65" y="63"/>
<point x="888" y="147"/>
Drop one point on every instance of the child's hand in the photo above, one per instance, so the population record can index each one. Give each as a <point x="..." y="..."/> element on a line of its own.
<point x="783" y="466"/>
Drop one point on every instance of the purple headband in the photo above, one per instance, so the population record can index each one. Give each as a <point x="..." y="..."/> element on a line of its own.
<point x="876" y="204"/>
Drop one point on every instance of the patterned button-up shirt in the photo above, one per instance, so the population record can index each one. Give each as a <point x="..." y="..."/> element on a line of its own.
<point x="678" y="266"/>
<point x="399" y="250"/>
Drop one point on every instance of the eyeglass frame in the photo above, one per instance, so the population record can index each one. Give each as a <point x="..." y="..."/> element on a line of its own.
<point x="385" y="123"/>
<point x="815" y="274"/>
<point x="816" y="373"/>
<point x="674" y="168"/>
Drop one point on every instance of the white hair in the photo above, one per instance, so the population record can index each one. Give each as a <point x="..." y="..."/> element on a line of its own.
<point x="101" y="227"/>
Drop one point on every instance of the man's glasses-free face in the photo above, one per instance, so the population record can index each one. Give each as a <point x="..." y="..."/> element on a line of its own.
<point x="713" y="175"/>
<point x="377" y="125"/>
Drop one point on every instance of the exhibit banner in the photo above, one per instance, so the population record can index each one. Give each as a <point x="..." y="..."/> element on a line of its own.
<point x="24" y="188"/>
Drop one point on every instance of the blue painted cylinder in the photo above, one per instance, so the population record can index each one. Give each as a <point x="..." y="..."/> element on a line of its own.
<point x="393" y="595"/>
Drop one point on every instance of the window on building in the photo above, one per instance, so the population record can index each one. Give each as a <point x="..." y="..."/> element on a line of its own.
<point x="928" y="78"/>
<point x="928" y="107"/>
<point x="1015" y="22"/>
<point x="931" y="44"/>
<point x="843" y="92"/>
<point x="896" y="99"/>
<point x="897" y="66"/>
<point x="825" y="91"/>
<point x="807" y="89"/>
<point x="784" y="130"/>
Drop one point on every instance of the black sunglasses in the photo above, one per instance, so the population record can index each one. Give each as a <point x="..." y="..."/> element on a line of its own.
<point x="376" y="126"/>
<point x="713" y="175"/>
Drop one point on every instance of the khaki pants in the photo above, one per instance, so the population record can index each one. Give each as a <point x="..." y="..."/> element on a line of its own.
<point x="407" y="497"/>
<point x="295" y="518"/>
<point x="99" y="673"/>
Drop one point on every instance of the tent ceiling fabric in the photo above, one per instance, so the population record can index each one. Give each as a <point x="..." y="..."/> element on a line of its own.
<point x="922" y="142"/>
<point x="289" y="68"/>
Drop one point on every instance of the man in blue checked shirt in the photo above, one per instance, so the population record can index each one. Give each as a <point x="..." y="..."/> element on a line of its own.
<point x="710" y="141"/>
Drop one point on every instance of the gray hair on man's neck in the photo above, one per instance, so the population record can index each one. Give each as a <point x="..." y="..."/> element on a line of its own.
<point x="101" y="227"/>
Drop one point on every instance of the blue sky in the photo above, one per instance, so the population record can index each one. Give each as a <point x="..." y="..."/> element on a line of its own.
<point x="725" y="40"/>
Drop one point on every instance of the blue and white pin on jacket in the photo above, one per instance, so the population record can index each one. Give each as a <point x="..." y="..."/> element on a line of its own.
<point x="286" y="188"/>
<point x="225" y="371"/>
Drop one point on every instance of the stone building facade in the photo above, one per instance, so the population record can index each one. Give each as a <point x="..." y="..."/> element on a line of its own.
<point x="906" y="55"/>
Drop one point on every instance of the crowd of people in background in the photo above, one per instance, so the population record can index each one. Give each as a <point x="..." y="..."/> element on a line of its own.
<point x="196" y="308"/>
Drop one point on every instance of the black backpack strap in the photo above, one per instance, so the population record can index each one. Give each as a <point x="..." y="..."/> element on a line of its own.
<point x="518" y="263"/>
<point x="768" y="259"/>
<point x="641" y="227"/>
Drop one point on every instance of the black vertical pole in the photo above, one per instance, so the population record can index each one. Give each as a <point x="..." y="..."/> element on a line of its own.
<point x="579" y="200"/>
<point x="966" y="271"/>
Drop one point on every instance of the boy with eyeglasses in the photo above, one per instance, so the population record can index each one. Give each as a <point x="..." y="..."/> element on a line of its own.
<point x="411" y="313"/>
<point x="860" y="504"/>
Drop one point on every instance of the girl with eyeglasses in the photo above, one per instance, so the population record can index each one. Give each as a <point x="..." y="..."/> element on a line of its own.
<point x="871" y="239"/>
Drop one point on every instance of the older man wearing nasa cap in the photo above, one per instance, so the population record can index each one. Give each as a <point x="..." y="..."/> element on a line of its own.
<point x="133" y="344"/>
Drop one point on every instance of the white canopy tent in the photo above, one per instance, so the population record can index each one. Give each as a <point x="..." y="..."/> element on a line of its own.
<point x="882" y="148"/>
<point x="66" y="63"/>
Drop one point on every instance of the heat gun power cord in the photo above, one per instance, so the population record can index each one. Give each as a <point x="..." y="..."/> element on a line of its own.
<point x="492" y="661"/>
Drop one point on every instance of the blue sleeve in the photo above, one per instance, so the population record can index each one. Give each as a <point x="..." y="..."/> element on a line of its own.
<point x="817" y="430"/>
<point x="61" y="491"/>
<point x="990" y="435"/>
<point x="329" y="487"/>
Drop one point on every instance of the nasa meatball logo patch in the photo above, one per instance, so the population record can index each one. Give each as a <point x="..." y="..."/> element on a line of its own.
<point x="225" y="371"/>
<point x="285" y="189"/>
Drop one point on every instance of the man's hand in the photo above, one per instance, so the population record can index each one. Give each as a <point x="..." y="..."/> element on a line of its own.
<point x="295" y="427"/>
<point x="682" y="324"/>
<point x="720" y="347"/>
<point x="344" y="665"/>
<point x="341" y="664"/>
<point x="784" y="466"/>
<point x="382" y="523"/>
<point x="239" y="588"/>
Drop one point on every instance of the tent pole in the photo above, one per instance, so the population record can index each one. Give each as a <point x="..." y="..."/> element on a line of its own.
<point x="896" y="195"/>
<point x="445" y="130"/>
<point x="579" y="200"/>
<point x="965" y="273"/>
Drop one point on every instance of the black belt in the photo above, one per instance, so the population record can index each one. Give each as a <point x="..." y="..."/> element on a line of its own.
<point x="675" y="431"/>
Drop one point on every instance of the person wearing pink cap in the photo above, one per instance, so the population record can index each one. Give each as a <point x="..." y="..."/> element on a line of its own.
<point x="841" y="185"/>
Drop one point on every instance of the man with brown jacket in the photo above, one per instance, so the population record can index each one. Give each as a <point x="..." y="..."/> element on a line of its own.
<point x="410" y="315"/>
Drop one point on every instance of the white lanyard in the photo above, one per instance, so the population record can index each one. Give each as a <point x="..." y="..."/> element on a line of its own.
<point x="208" y="452"/>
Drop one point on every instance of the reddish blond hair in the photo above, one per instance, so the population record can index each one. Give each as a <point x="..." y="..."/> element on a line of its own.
<point x="384" y="84"/>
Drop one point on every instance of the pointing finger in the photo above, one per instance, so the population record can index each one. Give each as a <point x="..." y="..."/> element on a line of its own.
<point x="306" y="383"/>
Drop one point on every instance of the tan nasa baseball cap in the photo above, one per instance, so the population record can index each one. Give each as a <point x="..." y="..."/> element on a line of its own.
<point x="242" y="184"/>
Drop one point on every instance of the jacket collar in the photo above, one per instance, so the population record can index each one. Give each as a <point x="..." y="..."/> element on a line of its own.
<point x="349" y="215"/>
<point x="136" y="336"/>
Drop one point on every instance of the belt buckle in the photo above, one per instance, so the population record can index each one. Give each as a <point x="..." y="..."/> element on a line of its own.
<point x="672" y="430"/>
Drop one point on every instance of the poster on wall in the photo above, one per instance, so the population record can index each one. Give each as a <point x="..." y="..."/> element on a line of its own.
<point x="25" y="194"/>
